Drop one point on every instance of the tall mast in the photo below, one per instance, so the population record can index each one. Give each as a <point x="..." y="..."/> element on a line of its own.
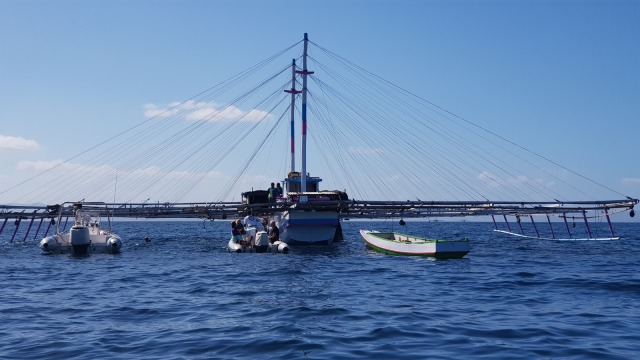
<point x="293" y="93"/>
<point x="304" y="72"/>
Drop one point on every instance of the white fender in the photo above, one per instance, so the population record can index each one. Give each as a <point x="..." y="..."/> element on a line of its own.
<point x="282" y="247"/>
<point x="114" y="244"/>
<point x="49" y="244"/>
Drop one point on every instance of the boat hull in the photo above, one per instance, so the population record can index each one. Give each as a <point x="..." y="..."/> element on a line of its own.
<point x="276" y="247"/>
<point x="399" y="244"/>
<point x="309" y="227"/>
<point x="255" y="241"/>
<point x="85" y="236"/>
<point x="98" y="244"/>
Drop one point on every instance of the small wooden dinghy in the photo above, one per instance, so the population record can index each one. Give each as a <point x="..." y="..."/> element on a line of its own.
<point x="399" y="244"/>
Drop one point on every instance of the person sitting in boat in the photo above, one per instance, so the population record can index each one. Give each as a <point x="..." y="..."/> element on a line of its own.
<point x="279" y="191"/>
<point x="236" y="232"/>
<point x="274" y="233"/>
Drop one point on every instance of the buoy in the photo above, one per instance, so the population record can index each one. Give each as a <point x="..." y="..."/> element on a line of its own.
<point x="146" y="239"/>
<point x="402" y="223"/>
<point x="632" y="213"/>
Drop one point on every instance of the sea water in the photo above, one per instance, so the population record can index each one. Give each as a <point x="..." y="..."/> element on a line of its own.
<point x="182" y="295"/>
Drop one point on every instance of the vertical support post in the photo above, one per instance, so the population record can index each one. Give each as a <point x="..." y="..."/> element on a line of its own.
<point x="505" y="220"/>
<point x="553" y="235"/>
<point x="534" y="226"/>
<point x="18" y="221"/>
<point x="38" y="229"/>
<point x="567" y="225"/>
<point x="520" y="224"/>
<point x="494" y="222"/>
<point x="29" y="228"/>
<point x="65" y="224"/>
<point x="3" y="224"/>
<point x="584" y="215"/>
<point x="609" y="222"/>
<point x="109" y="215"/>
<point x="48" y="227"/>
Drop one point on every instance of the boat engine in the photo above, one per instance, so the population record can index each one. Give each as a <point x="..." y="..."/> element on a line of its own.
<point x="79" y="239"/>
<point x="261" y="242"/>
<point x="49" y="244"/>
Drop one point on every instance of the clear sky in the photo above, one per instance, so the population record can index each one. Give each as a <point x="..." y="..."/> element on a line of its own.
<point x="559" y="77"/>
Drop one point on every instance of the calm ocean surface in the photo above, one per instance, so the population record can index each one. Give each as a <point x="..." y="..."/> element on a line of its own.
<point x="183" y="296"/>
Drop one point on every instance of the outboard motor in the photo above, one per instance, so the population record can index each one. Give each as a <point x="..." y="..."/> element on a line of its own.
<point x="79" y="239"/>
<point x="261" y="243"/>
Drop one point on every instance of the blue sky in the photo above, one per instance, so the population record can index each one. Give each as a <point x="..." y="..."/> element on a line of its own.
<point x="559" y="77"/>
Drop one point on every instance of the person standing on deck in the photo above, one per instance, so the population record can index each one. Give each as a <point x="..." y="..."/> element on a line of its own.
<point x="272" y="193"/>
<point x="279" y="190"/>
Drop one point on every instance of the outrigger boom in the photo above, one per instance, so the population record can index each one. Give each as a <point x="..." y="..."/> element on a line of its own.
<point x="352" y="209"/>
<point x="346" y="208"/>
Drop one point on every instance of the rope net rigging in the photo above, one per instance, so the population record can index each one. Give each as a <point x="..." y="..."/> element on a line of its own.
<point x="366" y="136"/>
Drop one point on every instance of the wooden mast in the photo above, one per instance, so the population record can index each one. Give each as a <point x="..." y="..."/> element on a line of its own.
<point x="293" y="93"/>
<point x="304" y="73"/>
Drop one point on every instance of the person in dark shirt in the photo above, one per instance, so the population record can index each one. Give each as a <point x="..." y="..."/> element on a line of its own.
<point x="274" y="233"/>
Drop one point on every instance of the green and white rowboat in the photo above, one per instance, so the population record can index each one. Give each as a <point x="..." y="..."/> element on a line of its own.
<point x="400" y="244"/>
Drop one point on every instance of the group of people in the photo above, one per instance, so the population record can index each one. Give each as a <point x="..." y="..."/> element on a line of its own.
<point x="238" y="231"/>
<point x="275" y="192"/>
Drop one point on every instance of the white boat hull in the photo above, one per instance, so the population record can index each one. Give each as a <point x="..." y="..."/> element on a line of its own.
<point x="309" y="227"/>
<point x="400" y="244"/>
<point x="257" y="242"/>
<point x="96" y="244"/>
<point x="276" y="247"/>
